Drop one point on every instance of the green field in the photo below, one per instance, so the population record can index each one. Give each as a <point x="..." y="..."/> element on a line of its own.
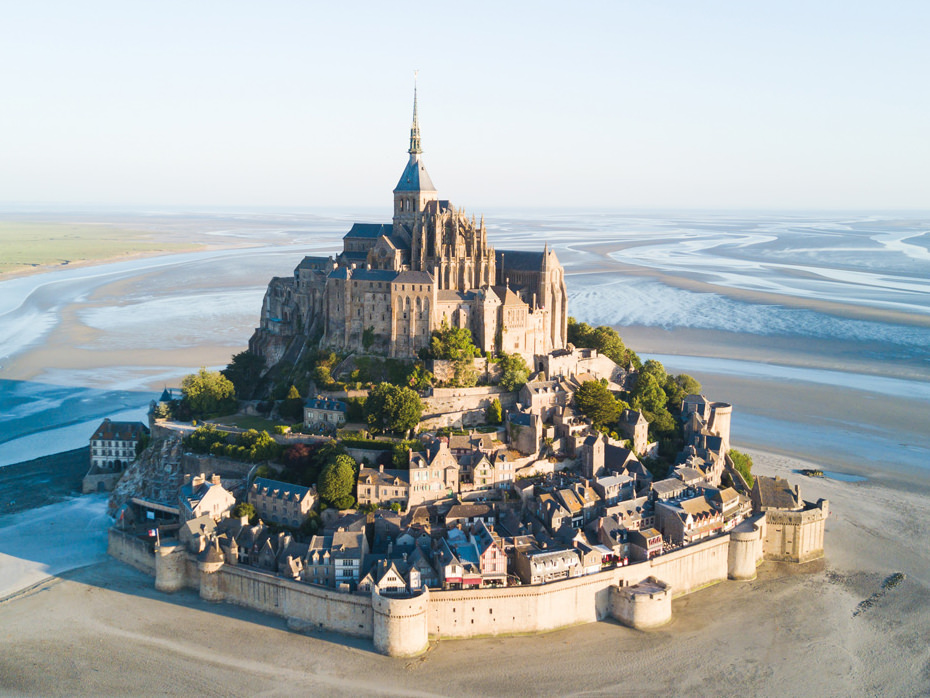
<point x="26" y="246"/>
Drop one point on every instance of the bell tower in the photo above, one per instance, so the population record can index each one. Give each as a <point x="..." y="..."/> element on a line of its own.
<point x="415" y="189"/>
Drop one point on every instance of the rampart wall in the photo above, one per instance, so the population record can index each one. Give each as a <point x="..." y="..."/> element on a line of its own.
<point x="401" y="626"/>
<point x="131" y="550"/>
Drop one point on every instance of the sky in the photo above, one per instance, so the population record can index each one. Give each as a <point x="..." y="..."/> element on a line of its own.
<point x="614" y="105"/>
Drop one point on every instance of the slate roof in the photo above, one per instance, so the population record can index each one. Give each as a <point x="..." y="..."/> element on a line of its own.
<point x="279" y="490"/>
<point x="414" y="178"/>
<point x="319" y="403"/>
<point x="370" y="231"/>
<point x="776" y="493"/>
<point x="120" y="431"/>
<point x="520" y="260"/>
<point x="448" y="295"/>
<point x="314" y="262"/>
<point x="413" y="277"/>
<point x="374" y="275"/>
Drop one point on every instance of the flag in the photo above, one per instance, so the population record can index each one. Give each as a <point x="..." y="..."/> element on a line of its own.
<point x="153" y="532"/>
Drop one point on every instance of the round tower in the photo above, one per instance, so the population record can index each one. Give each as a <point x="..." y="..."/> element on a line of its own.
<point x="170" y="566"/>
<point x="400" y="623"/>
<point x="642" y="606"/>
<point x="209" y="563"/>
<point x="745" y="550"/>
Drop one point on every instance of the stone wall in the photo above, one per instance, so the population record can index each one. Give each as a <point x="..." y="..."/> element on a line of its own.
<point x="796" y="536"/>
<point x="311" y="606"/>
<point x="462" y="407"/>
<point x="135" y="552"/>
<point x="399" y="626"/>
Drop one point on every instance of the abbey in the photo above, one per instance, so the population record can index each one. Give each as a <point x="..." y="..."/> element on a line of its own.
<point x="394" y="283"/>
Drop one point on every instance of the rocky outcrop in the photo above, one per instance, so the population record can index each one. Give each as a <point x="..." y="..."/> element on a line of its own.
<point x="155" y="475"/>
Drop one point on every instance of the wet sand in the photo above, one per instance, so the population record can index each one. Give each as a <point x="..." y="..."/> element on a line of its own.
<point x="104" y="629"/>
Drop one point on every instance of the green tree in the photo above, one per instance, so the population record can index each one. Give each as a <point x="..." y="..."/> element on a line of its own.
<point x="648" y="394"/>
<point x="514" y="371"/>
<point x="292" y="407"/>
<point x="245" y="372"/>
<point x="598" y="404"/>
<point x="310" y="525"/>
<point x="419" y="378"/>
<point x="605" y="339"/>
<point x="452" y="343"/>
<point x="245" y="509"/>
<point x="464" y="374"/>
<point x="337" y="480"/>
<point x="495" y="413"/>
<point x="392" y="408"/>
<point x="208" y="392"/>
<point x="743" y="464"/>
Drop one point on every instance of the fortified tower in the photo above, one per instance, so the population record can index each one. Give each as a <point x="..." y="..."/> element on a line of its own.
<point x="400" y="623"/>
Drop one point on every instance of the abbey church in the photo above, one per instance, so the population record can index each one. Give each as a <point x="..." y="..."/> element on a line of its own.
<point x="394" y="283"/>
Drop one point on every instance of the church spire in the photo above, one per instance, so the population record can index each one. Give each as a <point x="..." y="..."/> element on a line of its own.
<point x="415" y="148"/>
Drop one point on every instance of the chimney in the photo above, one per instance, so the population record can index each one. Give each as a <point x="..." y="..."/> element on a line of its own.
<point x="215" y="479"/>
<point x="198" y="480"/>
<point x="381" y="468"/>
<point x="185" y="479"/>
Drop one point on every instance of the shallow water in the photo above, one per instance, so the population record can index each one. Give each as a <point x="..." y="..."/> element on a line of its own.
<point x="154" y="320"/>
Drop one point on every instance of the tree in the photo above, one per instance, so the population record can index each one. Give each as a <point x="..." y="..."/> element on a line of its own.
<point x="337" y="480"/>
<point x="598" y="404"/>
<point x="452" y="343"/>
<point x="514" y="371"/>
<point x="208" y="392"/>
<point x="495" y="413"/>
<point x="419" y="378"/>
<point x="368" y="337"/>
<point x="292" y="407"/>
<point x="648" y="395"/>
<point x="605" y="339"/>
<point x="392" y="408"/>
<point x="245" y="509"/>
<point x="245" y="372"/>
<point x="743" y="464"/>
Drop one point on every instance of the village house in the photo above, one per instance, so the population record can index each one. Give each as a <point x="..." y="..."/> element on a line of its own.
<point x="644" y="544"/>
<point x="535" y="566"/>
<point x="281" y="502"/>
<point x="491" y="558"/>
<point x="113" y="444"/>
<point x="433" y="474"/>
<point x="200" y="496"/>
<point x="321" y="411"/>
<point x="380" y="486"/>
<point x="685" y="521"/>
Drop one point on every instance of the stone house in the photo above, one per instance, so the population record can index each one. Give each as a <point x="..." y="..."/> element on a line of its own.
<point x="281" y="502"/>
<point x="614" y="488"/>
<point x="433" y="474"/>
<point x="321" y="411"/>
<point x="645" y="544"/>
<point x="383" y="486"/>
<point x="535" y="566"/>
<point x="685" y="521"/>
<point x="491" y="558"/>
<point x="200" y="496"/>
<point x="113" y="446"/>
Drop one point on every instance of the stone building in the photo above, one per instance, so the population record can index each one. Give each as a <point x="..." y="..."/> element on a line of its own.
<point x="199" y="497"/>
<point x="394" y="283"/>
<point x="113" y="444"/>
<point x="281" y="502"/>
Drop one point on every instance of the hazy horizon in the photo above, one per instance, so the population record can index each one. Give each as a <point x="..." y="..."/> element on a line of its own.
<point x="718" y="106"/>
